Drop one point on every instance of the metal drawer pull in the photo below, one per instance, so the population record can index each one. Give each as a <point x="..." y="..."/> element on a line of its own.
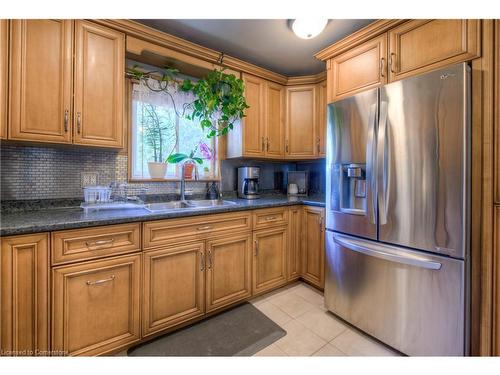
<point x="392" y="62"/>
<point x="204" y="228"/>
<point x="384" y="252"/>
<point x="269" y="218"/>
<point x="100" y="243"/>
<point x="98" y="282"/>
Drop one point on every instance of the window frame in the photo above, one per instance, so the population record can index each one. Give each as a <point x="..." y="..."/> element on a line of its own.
<point x="218" y="146"/>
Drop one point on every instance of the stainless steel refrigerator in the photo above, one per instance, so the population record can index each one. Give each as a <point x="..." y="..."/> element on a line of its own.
<point x="397" y="212"/>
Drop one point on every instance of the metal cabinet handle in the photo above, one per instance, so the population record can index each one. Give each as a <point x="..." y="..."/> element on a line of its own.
<point x="385" y="252"/>
<point x="318" y="142"/>
<point x="98" y="282"/>
<point x="270" y="218"/>
<point x="204" y="227"/>
<point x="78" y="122"/>
<point x="202" y="261"/>
<point x="392" y="62"/>
<point x="267" y="144"/>
<point x="100" y="243"/>
<point x="209" y="259"/>
<point x="256" y="248"/>
<point x="382" y="64"/>
<point x="321" y="224"/>
<point x="263" y="144"/>
<point x="66" y="119"/>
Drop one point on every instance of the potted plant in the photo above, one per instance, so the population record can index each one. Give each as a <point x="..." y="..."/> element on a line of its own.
<point x="158" y="130"/>
<point x="192" y="159"/>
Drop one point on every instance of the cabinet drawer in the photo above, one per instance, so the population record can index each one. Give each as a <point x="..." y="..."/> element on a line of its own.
<point x="92" y="243"/>
<point x="158" y="233"/>
<point x="270" y="217"/>
<point x="95" y="305"/>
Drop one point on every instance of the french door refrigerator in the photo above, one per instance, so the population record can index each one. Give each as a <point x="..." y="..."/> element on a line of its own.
<point x="397" y="214"/>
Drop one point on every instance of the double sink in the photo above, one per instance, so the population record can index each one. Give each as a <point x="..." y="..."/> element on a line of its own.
<point x="186" y="205"/>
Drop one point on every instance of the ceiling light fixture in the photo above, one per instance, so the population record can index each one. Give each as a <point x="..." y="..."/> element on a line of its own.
<point x="308" y="28"/>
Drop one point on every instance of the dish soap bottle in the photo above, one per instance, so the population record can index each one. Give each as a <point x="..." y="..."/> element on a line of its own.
<point x="212" y="191"/>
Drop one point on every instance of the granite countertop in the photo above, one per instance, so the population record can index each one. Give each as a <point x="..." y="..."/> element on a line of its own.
<point x="45" y="220"/>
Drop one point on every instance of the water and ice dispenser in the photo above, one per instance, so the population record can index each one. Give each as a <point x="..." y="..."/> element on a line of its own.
<point x="349" y="188"/>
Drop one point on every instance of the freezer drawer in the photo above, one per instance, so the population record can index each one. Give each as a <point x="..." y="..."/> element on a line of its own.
<point x="409" y="300"/>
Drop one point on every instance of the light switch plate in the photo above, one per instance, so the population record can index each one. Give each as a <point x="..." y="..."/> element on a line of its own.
<point x="89" y="178"/>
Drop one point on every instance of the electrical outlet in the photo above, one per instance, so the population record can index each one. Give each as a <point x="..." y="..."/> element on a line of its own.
<point x="89" y="178"/>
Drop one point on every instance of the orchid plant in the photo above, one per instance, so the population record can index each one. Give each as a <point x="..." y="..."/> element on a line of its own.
<point x="205" y="153"/>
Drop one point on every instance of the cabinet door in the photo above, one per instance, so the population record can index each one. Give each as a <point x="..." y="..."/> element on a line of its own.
<point x="295" y="244"/>
<point x="300" y="141"/>
<point x="269" y="260"/>
<point x="24" y="312"/>
<point x="275" y="120"/>
<point x="496" y="109"/>
<point x="253" y="124"/>
<point x="99" y="85"/>
<point x="174" y="286"/>
<point x="418" y="46"/>
<point x="313" y="246"/>
<point x="322" y="119"/>
<point x="229" y="270"/>
<point x="4" y="59"/>
<point x="41" y="80"/>
<point x="96" y="305"/>
<point x="359" y="69"/>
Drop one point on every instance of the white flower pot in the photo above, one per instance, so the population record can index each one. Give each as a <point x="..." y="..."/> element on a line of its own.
<point x="157" y="170"/>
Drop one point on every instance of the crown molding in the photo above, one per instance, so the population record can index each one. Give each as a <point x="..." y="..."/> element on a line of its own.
<point x="368" y="32"/>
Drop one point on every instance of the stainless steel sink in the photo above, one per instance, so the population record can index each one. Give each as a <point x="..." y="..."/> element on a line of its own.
<point x="209" y="203"/>
<point x="165" y="206"/>
<point x="185" y="205"/>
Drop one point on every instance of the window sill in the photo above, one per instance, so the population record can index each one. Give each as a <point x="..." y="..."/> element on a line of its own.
<point x="141" y="180"/>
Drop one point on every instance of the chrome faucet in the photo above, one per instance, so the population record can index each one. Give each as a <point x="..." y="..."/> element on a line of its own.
<point x="183" y="181"/>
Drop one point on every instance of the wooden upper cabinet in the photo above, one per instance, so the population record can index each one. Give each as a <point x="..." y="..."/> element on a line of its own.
<point x="228" y="270"/>
<point x="300" y="138"/>
<point x="253" y="124"/>
<point x="275" y="120"/>
<point x="99" y="85"/>
<point x="361" y="68"/>
<point x="41" y="80"/>
<point x="313" y="246"/>
<point x="496" y="109"/>
<point x="96" y="305"/>
<point x="418" y="46"/>
<point x="24" y="302"/>
<point x="322" y="119"/>
<point x="4" y="65"/>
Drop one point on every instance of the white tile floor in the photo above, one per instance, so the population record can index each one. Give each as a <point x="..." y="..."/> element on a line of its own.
<point x="311" y="330"/>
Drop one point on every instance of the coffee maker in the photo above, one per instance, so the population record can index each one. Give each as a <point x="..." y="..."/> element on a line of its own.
<point x="248" y="182"/>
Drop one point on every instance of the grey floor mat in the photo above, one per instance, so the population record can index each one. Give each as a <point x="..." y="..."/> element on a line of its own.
<point x="240" y="331"/>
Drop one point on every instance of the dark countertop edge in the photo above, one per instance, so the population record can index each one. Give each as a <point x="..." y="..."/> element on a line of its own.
<point x="31" y="229"/>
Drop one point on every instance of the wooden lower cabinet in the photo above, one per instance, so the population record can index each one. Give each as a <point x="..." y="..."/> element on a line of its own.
<point x="24" y="303"/>
<point x="269" y="259"/>
<point x="313" y="246"/>
<point x="228" y="270"/>
<point x="174" y="286"/>
<point x="295" y="243"/>
<point x="96" y="305"/>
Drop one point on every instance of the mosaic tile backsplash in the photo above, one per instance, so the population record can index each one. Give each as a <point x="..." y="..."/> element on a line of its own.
<point x="36" y="172"/>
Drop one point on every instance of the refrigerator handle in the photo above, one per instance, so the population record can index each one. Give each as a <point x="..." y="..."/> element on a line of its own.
<point x="371" y="161"/>
<point x="382" y="164"/>
<point x="380" y="251"/>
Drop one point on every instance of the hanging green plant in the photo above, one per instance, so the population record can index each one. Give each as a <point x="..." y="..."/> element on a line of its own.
<point x="220" y="97"/>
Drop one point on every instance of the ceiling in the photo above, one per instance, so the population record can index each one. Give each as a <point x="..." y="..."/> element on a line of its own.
<point x="267" y="43"/>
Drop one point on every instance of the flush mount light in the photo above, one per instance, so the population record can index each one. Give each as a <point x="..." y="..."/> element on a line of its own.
<point x="308" y="28"/>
